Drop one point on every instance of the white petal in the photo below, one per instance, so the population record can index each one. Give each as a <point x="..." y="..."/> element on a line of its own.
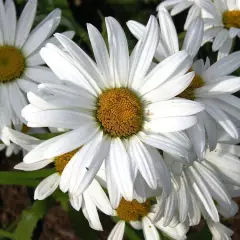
<point x="99" y="197"/>
<point x="33" y="166"/>
<point x="100" y="52"/>
<point x="41" y="74"/>
<point x="170" y="124"/>
<point x="210" y="33"/>
<point x="170" y="88"/>
<point x="84" y="63"/>
<point x="225" y="49"/>
<point x="193" y="12"/>
<point x="221" y="118"/>
<point x="11" y="21"/>
<point x="163" y="143"/>
<point x="166" y="69"/>
<point x="27" y="86"/>
<point x="17" y="100"/>
<point x="90" y="212"/>
<point x="144" y="162"/>
<point x="118" y="49"/>
<point x="149" y="230"/>
<point x="61" y="144"/>
<point x="47" y="186"/>
<point x="219" y="40"/>
<point x="180" y="7"/>
<point x="117" y="232"/>
<point x="37" y="37"/>
<point x="25" y="22"/>
<point x="76" y="201"/>
<point x="143" y="56"/>
<point x="176" y="107"/>
<point x="202" y="193"/>
<point x="222" y="67"/>
<point x="194" y="36"/>
<point x="168" y="31"/>
<point x="121" y="167"/>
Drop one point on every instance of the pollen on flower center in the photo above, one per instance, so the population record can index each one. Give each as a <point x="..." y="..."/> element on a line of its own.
<point x="62" y="160"/>
<point x="119" y="112"/>
<point x="188" y="93"/>
<point x="132" y="211"/>
<point x="12" y="63"/>
<point x="231" y="19"/>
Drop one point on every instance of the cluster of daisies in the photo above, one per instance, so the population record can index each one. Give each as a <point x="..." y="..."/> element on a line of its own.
<point x="148" y="136"/>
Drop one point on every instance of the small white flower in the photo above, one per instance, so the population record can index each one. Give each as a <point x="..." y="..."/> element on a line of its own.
<point x="115" y="109"/>
<point x="197" y="8"/>
<point x="140" y="215"/>
<point x="222" y="26"/>
<point x="20" y="62"/>
<point x="90" y="200"/>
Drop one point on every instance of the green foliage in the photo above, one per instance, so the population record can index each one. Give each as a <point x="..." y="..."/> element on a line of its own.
<point x="30" y="218"/>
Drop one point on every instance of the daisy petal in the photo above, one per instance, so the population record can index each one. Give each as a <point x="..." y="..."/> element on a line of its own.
<point x="180" y="7"/>
<point x="59" y="145"/>
<point x="25" y="22"/>
<point x="222" y="67"/>
<point x="11" y="21"/>
<point x="76" y="201"/>
<point x="121" y="167"/>
<point x="33" y="166"/>
<point x="144" y="54"/>
<point x="47" y="186"/>
<point x="225" y="49"/>
<point x="117" y="232"/>
<point x="219" y="40"/>
<point x="149" y="230"/>
<point x="193" y="12"/>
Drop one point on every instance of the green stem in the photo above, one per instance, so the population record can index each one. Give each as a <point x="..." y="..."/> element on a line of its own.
<point x="6" y="234"/>
<point x="17" y="175"/>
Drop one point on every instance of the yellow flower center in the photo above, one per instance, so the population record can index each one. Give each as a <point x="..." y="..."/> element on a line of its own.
<point x="188" y="93"/>
<point x="62" y="160"/>
<point x="231" y="19"/>
<point x="133" y="211"/>
<point x="12" y="63"/>
<point x="120" y="112"/>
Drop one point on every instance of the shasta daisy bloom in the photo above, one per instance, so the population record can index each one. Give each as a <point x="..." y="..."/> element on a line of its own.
<point x="20" y="61"/>
<point x="202" y="188"/>
<point x="223" y="25"/>
<point x="115" y="109"/>
<point x="90" y="200"/>
<point x="211" y="85"/>
<point x="140" y="215"/>
<point x="196" y="8"/>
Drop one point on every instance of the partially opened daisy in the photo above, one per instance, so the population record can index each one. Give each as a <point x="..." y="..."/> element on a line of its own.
<point x="211" y="85"/>
<point x="20" y="69"/>
<point x="114" y="109"/>
<point x="196" y="8"/>
<point x="140" y="215"/>
<point x="89" y="201"/>
<point x="223" y="26"/>
<point x="202" y="188"/>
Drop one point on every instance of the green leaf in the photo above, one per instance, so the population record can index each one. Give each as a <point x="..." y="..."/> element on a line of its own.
<point x="203" y="234"/>
<point x="6" y="234"/>
<point x="30" y="218"/>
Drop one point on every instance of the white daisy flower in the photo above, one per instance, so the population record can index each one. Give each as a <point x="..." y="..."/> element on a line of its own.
<point x="224" y="24"/>
<point x="212" y="85"/>
<point x="197" y="8"/>
<point x="219" y="231"/>
<point x="202" y="188"/>
<point x="10" y="149"/>
<point x="20" y="61"/>
<point x="90" y="200"/>
<point x="140" y="215"/>
<point x="115" y="109"/>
